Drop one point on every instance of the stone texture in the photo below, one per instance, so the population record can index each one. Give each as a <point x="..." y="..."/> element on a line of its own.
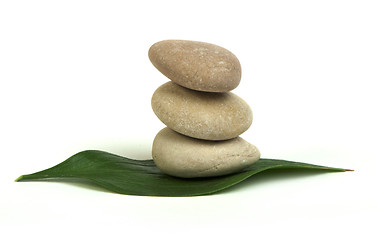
<point x="209" y="116"/>
<point x="197" y="65"/>
<point x="181" y="156"/>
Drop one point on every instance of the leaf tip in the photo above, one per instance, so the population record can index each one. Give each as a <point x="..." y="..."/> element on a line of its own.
<point x="19" y="179"/>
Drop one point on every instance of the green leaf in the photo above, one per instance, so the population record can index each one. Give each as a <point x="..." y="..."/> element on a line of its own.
<point x="142" y="177"/>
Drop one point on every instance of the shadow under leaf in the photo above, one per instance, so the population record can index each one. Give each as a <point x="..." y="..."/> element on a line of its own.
<point x="274" y="175"/>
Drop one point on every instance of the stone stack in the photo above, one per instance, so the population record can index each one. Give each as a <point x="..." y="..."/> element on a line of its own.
<point x="203" y="118"/>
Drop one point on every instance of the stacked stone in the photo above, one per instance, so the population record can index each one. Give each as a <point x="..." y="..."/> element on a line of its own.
<point x="203" y="118"/>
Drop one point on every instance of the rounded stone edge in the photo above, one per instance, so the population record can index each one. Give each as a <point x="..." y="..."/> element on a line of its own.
<point x="214" y="137"/>
<point x="168" y="73"/>
<point x="180" y="172"/>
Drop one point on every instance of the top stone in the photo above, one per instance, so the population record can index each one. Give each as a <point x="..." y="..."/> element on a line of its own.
<point x="197" y="65"/>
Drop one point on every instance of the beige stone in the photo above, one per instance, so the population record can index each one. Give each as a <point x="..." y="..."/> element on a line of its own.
<point x="197" y="65"/>
<point x="181" y="156"/>
<point x="209" y="116"/>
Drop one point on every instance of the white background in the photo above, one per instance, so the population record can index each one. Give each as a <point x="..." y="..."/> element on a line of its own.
<point x="75" y="75"/>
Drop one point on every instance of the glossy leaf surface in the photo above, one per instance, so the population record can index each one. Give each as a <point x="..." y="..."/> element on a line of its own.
<point x="142" y="177"/>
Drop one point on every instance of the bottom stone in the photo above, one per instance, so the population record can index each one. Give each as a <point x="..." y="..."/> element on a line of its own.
<point x="182" y="156"/>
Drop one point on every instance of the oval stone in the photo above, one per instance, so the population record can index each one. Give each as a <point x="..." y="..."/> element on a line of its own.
<point x="196" y="65"/>
<point x="203" y="115"/>
<point x="181" y="156"/>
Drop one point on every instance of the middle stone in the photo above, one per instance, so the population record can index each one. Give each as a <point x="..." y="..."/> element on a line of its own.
<point x="203" y="115"/>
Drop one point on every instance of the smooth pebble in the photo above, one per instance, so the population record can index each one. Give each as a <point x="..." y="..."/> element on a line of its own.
<point x="209" y="116"/>
<point x="181" y="156"/>
<point x="196" y="65"/>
